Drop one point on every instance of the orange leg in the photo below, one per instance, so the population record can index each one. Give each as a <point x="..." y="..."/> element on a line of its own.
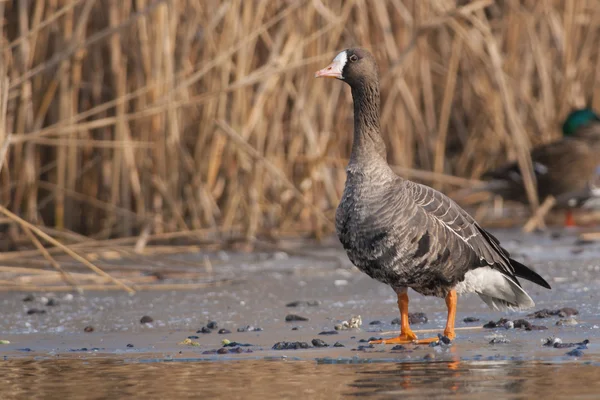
<point x="407" y="335"/>
<point x="569" y="220"/>
<point x="451" y="300"/>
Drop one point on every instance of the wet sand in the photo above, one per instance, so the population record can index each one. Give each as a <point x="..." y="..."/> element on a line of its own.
<point x="266" y="282"/>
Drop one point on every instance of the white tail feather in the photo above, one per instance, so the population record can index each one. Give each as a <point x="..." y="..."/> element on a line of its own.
<point x="497" y="290"/>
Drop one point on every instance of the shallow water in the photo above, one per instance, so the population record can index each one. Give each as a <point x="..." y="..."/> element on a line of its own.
<point x="50" y="355"/>
<point x="115" y="378"/>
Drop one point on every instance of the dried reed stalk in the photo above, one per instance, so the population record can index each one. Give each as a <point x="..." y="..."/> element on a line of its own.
<point x="202" y="120"/>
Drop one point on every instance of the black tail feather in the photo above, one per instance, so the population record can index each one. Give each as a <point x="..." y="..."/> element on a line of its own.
<point x="525" y="272"/>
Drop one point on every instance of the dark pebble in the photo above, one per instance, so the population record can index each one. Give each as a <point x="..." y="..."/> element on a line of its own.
<point x="319" y="343"/>
<point x="444" y="339"/>
<point x="376" y="322"/>
<point x="575" y="353"/>
<point x="338" y="344"/>
<point x="580" y="345"/>
<point x="295" y="328"/>
<point x="146" y="320"/>
<point x="88" y="329"/>
<point x="417" y="318"/>
<point x="522" y="324"/>
<point x="212" y="325"/>
<point x="204" y="330"/>
<point x="567" y="312"/>
<point x="129" y="345"/>
<point x="398" y="347"/>
<point x="51" y="303"/>
<point x="363" y="341"/>
<point x="222" y="350"/>
<point x="224" y="331"/>
<point x="209" y="352"/>
<point x="555" y="235"/>
<point x="29" y="297"/>
<point x="249" y="328"/>
<point x="193" y="337"/>
<point x="490" y="325"/>
<point x="329" y="333"/>
<point x="290" y="345"/>
<point x="294" y="317"/>
<point x="26" y="349"/>
<point x="363" y="348"/>
<point x="236" y="344"/>
<point x="469" y="320"/>
<point x="32" y="311"/>
<point x="236" y="350"/>
<point x="429" y="356"/>
<point x="300" y="303"/>
<point x="499" y="340"/>
<point x="396" y="321"/>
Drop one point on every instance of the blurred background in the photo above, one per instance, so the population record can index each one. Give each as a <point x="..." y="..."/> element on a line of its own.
<point x="179" y="118"/>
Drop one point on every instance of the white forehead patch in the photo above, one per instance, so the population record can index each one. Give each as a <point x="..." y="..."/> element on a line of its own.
<point x="340" y="60"/>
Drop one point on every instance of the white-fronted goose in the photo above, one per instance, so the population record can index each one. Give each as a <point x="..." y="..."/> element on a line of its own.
<point x="409" y="235"/>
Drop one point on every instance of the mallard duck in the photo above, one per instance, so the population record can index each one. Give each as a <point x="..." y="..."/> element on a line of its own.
<point x="408" y="235"/>
<point x="560" y="167"/>
<point x="587" y="198"/>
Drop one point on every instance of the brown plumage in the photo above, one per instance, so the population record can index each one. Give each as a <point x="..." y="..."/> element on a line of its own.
<point x="409" y="235"/>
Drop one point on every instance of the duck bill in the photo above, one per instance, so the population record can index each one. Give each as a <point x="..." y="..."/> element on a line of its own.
<point x="333" y="70"/>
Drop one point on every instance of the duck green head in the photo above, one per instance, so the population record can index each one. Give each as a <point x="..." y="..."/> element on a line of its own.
<point x="577" y="119"/>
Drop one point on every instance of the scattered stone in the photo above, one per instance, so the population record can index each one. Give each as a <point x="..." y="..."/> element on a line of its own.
<point x="499" y="340"/>
<point x="88" y="329"/>
<point x="224" y="331"/>
<point x="363" y="341"/>
<point x="429" y="356"/>
<point x="25" y="349"/>
<point x="580" y="345"/>
<point x="189" y="342"/>
<point x="296" y="328"/>
<point x="376" y="322"/>
<point x="500" y="323"/>
<point x="237" y="350"/>
<point x="51" y="303"/>
<point x="32" y="311"/>
<point x="29" y="297"/>
<point x="470" y="320"/>
<point x="235" y="344"/>
<point x="212" y="325"/>
<point x="193" y="337"/>
<point x="290" y="345"/>
<point x="329" y="333"/>
<point x="301" y="303"/>
<point x="364" y="348"/>
<point x="445" y="340"/>
<point x="222" y="350"/>
<point x="146" y="320"/>
<point x="319" y="343"/>
<point x="129" y="345"/>
<point x="396" y="321"/>
<point x="294" y="317"/>
<point x="209" y="352"/>
<point x="567" y="312"/>
<point x="417" y="318"/>
<point x="249" y="328"/>
<point x="552" y="341"/>
<point x="575" y="353"/>
<point x="398" y="347"/>
<point x="566" y="322"/>
<point x="338" y="344"/>
<point x="522" y="324"/>
<point x="561" y="312"/>
<point x="204" y="330"/>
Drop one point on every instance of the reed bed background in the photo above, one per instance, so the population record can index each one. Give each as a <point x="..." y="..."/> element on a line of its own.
<point x="201" y="119"/>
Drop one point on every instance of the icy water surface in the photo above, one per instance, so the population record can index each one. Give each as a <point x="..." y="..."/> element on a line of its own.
<point x="51" y="355"/>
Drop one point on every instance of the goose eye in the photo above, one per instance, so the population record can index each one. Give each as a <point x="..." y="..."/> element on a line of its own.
<point x="353" y="58"/>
